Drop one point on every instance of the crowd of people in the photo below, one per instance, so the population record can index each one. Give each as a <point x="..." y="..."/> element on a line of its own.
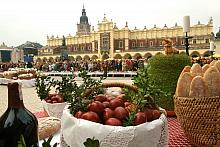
<point x="90" y="65"/>
<point x="203" y="61"/>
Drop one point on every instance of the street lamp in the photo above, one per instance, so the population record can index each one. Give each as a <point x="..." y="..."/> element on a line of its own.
<point x="212" y="47"/>
<point x="186" y="28"/>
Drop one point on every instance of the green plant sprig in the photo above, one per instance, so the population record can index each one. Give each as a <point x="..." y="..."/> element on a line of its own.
<point x="129" y="121"/>
<point x="65" y="86"/>
<point x="73" y="92"/>
<point x="43" y="85"/>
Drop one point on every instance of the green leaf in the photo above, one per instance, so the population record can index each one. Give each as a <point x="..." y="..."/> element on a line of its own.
<point x="21" y="142"/>
<point x="91" y="142"/>
<point x="43" y="85"/>
<point x="46" y="143"/>
<point x="130" y="119"/>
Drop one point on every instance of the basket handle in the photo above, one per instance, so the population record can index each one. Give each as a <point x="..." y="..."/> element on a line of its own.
<point x="108" y="85"/>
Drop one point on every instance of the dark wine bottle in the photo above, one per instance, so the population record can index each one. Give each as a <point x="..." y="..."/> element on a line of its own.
<point x="18" y="126"/>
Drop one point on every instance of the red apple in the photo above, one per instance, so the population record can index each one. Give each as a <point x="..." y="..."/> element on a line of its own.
<point x="105" y="104"/>
<point x="116" y="103"/>
<point x="59" y="98"/>
<point x="100" y="97"/>
<point x="120" y="113"/>
<point x="127" y="104"/>
<point x="48" y="100"/>
<point x="108" y="113"/>
<point x="96" y="106"/>
<point x="91" y="116"/>
<point x="110" y="97"/>
<point x="140" y="118"/>
<point x="78" y="114"/>
<point x="156" y="114"/>
<point x="149" y="114"/>
<point x="113" y="122"/>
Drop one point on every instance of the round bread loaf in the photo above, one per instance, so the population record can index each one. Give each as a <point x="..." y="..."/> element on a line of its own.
<point x="212" y="77"/>
<point x="196" y="70"/>
<point x="48" y="126"/>
<point x="183" y="84"/>
<point x="217" y="65"/>
<point x="213" y="63"/>
<point x="205" y="67"/>
<point x="198" y="87"/>
<point x="186" y="69"/>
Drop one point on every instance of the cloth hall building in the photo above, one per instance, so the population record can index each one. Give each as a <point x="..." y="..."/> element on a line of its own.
<point x="110" y="42"/>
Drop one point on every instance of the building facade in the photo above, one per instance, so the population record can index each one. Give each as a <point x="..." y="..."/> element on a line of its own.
<point x="10" y="54"/>
<point x="108" y="41"/>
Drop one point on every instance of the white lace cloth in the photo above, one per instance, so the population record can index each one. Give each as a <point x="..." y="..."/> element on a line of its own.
<point x="54" y="110"/>
<point x="25" y="83"/>
<point x="150" y="134"/>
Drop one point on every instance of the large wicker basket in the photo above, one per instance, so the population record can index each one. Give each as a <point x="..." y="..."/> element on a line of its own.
<point x="75" y="131"/>
<point x="200" y="119"/>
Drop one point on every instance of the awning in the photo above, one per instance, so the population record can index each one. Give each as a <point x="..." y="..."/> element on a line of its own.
<point x="216" y="55"/>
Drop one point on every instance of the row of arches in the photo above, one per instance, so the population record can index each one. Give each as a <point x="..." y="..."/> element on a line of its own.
<point x="194" y="54"/>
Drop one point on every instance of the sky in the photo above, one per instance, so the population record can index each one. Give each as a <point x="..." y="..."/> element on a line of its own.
<point x="33" y="20"/>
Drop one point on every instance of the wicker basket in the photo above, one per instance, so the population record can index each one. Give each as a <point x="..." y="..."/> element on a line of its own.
<point x="200" y="119"/>
<point x="70" y="125"/>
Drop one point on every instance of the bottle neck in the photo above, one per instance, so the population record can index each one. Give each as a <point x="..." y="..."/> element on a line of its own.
<point x="15" y="97"/>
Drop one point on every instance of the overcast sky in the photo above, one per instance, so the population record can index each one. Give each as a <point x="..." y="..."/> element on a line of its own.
<point x="33" y="20"/>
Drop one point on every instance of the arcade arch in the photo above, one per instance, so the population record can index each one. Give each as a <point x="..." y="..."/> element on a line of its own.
<point x="137" y="56"/>
<point x="86" y="57"/>
<point x="127" y="56"/>
<point x="195" y="54"/>
<point x="117" y="56"/>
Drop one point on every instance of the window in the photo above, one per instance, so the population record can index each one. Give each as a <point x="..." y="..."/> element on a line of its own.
<point x="207" y="41"/>
<point x="105" y="43"/>
<point x="89" y="47"/>
<point x="141" y="44"/>
<point x="96" y="45"/>
<point x="82" y="48"/>
<point x="151" y="43"/>
<point x="194" y="41"/>
<point x="133" y="44"/>
<point x="120" y="44"/>
<point x="182" y="42"/>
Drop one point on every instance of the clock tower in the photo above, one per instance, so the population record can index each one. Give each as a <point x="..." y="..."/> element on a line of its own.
<point x="83" y="28"/>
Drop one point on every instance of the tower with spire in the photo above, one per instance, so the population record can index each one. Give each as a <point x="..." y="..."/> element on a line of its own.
<point x="83" y="28"/>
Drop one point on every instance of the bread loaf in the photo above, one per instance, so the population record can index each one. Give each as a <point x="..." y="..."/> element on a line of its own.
<point x="186" y="69"/>
<point x="204" y="68"/>
<point x="1" y="75"/>
<point x="183" y="84"/>
<point x="196" y="70"/>
<point x="217" y="65"/>
<point x="198" y="87"/>
<point x="48" y="126"/>
<point x="212" y="77"/>
<point x="213" y="63"/>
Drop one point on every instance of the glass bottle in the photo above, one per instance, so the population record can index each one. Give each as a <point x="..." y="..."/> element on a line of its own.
<point x="18" y="126"/>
